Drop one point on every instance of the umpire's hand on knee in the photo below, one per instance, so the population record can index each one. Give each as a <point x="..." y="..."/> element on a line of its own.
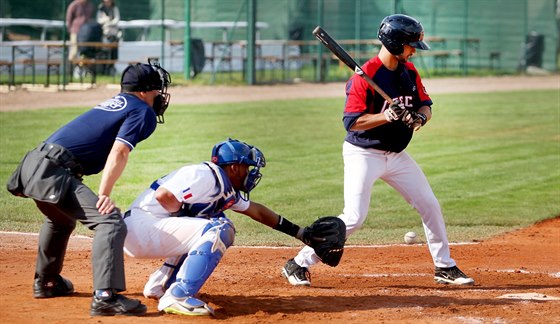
<point x="105" y="205"/>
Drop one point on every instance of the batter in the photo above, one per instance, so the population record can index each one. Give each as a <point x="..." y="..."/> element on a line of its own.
<point x="377" y="134"/>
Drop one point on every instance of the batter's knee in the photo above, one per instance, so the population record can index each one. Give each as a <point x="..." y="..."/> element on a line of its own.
<point x="353" y="223"/>
<point x="428" y="206"/>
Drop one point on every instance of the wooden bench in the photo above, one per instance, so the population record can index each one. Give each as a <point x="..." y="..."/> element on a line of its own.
<point x="440" y="57"/>
<point x="24" y="55"/>
<point x="8" y="67"/>
<point x="90" y="65"/>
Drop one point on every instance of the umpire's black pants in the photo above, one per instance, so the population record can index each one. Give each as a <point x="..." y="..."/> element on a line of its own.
<point x="110" y="232"/>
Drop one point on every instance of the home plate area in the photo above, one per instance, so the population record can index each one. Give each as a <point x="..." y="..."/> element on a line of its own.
<point x="517" y="280"/>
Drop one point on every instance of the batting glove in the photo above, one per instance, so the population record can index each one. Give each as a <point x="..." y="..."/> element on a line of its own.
<point x="414" y="119"/>
<point x="395" y="111"/>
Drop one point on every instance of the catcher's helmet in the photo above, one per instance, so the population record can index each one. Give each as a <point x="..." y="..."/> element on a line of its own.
<point x="233" y="151"/>
<point x="398" y="30"/>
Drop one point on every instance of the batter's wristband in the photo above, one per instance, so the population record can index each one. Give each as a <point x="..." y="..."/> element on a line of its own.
<point x="423" y="118"/>
<point x="285" y="226"/>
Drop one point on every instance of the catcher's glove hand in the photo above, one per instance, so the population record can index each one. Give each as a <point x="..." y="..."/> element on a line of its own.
<point x="326" y="236"/>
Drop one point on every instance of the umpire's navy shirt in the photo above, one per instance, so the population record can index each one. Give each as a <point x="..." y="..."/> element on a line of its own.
<point x="90" y="136"/>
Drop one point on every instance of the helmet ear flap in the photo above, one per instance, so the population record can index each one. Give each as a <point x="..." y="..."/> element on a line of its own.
<point x="387" y="36"/>
<point x="215" y="149"/>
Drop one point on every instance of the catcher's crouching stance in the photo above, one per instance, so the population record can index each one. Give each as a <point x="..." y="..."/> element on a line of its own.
<point x="181" y="218"/>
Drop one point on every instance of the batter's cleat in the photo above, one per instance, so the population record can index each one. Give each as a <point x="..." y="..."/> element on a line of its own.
<point x="453" y="276"/>
<point x="52" y="287"/>
<point x="296" y="275"/>
<point x="117" y="305"/>
<point x="191" y="307"/>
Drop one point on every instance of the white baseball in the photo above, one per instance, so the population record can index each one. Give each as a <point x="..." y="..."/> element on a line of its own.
<point x="410" y="238"/>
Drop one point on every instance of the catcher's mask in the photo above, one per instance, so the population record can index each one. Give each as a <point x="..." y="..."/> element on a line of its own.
<point x="233" y="151"/>
<point x="147" y="77"/>
<point x="398" y="30"/>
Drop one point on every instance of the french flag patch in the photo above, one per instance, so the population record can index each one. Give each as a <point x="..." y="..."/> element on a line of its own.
<point x="187" y="193"/>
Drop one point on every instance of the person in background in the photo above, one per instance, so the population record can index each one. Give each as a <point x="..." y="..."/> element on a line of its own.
<point x="77" y="14"/>
<point x="108" y="16"/>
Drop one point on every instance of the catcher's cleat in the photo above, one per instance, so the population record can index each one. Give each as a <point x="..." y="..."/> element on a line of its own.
<point x="52" y="287"/>
<point x="191" y="307"/>
<point x="296" y="275"/>
<point x="117" y="305"/>
<point x="452" y="276"/>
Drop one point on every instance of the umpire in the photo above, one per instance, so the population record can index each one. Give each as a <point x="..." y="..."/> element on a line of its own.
<point x="51" y="174"/>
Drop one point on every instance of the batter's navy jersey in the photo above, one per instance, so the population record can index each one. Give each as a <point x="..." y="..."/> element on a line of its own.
<point x="90" y="136"/>
<point x="404" y="84"/>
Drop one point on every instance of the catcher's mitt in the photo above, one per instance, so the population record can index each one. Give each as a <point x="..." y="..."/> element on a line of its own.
<point x="326" y="236"/>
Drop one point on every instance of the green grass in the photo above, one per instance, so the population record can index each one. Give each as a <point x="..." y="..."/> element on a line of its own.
<point x="493" y="161"/>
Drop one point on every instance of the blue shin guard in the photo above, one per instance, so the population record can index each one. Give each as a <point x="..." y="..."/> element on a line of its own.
<point x="203" y="258"/>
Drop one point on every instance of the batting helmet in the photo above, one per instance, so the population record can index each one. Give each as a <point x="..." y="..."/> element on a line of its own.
<point x="233" y="151"/>
<point x="396" y="31"/>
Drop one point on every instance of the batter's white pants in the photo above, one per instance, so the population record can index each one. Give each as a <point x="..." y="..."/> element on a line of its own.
<point x="362" y="167"/>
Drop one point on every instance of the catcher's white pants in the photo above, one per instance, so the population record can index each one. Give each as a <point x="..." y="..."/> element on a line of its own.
<point x="152" y="237"/>
<point x="170" y="238"/>
<point x="362" y="167"/>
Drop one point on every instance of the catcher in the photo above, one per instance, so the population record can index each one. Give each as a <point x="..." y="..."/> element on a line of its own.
<point x="181" y="218"/>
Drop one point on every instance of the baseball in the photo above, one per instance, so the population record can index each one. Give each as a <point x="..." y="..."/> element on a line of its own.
<point x="410" y="238"/>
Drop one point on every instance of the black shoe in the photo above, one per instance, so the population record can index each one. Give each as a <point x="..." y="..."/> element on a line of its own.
<point x="452" y="275"/>
<point x="117" y="305"/>
<point x="52" y="287"/>
<point x="296" y="275"/>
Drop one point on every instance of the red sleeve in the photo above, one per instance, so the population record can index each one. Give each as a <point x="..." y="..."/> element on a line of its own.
<point x="356" y="88"/>
<point x="356" y="91"/>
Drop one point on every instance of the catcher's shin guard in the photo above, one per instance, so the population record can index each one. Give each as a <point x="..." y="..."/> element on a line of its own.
<point x="203" y="259"/>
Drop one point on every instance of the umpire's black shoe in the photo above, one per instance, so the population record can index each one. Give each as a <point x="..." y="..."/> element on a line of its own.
<point x="52" y="287"/>
<point x="117" y="305"/>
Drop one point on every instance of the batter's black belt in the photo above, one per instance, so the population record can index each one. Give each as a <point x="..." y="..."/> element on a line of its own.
<point x="61" y="156"/>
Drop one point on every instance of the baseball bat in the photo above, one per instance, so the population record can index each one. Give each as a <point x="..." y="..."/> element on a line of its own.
<point x="344" y="57"/>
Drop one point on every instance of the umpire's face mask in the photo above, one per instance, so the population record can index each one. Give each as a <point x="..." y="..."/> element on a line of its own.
<point x="161" y="101"/>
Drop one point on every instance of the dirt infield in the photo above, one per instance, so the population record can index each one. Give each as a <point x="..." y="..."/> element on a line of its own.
<point x="372" y="284"/>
